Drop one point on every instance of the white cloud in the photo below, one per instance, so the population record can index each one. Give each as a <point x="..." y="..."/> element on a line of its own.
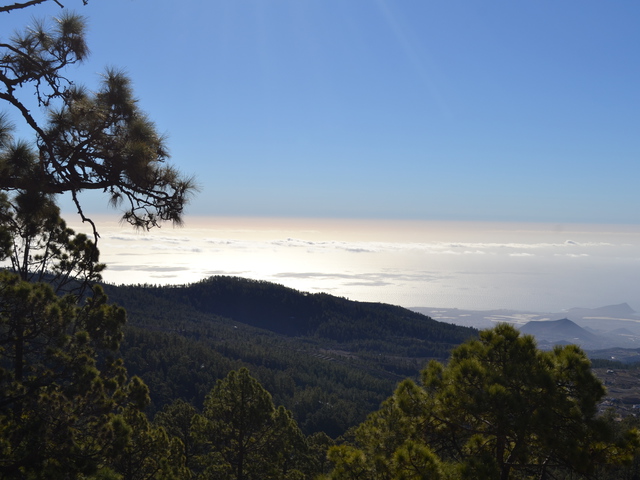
<point x="458" y="269"/>
<point x="147" y="268"/>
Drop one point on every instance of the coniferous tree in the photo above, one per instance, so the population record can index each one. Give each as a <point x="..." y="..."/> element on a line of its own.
<point x="149" y="452"/>
<point x="245" y="436"/>
<point x="87" y="140"/>
<point x="499" y="409"/>
<point x="58" y="400"/>
<point x="67" y="406"/>
<point x="176" y="419"/>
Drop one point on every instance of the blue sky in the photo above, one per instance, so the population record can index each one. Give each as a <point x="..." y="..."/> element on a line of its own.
<point x="412" y="109"/>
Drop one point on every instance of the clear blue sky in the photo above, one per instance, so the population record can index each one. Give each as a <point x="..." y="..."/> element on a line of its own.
<point x="420" y="109"/>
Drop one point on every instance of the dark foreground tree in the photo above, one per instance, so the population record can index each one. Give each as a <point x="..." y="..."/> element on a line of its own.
<point x="57" y="402"/>
<point x="41" y="248"/>
<point x="176" y="419"/>
<point x="149" y="452"/>
<point x="67" y="407"/>
<point x="500" y="409"/>
<point x="86" y="140"/>
<point x="245" y="436"/>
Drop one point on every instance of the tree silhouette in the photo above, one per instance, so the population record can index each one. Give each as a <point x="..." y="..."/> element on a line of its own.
<point x="67" y="406"/>
<point x="88" y="140"/>
<point x="19" y="5"/>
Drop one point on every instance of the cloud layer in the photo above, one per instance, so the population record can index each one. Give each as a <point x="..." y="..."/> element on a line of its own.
<point x="481" y="267"/>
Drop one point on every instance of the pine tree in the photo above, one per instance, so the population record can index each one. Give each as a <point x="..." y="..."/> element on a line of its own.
<point x="246" y="437"/>
<point x="86" y="140"/>
<point x="67" y="407"/>
<point x="499" y="409"/>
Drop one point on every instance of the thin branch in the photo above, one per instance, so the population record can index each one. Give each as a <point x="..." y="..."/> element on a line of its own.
<point x="96" y="235"/>
<point x="26" y="114"/>
<point x="18" y="6"/>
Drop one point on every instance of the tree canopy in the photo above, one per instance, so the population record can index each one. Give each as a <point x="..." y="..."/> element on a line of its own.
<point x="68" y="408"/>
<point x="87" y="139"/>
<point x="499" y="409"/>
<point x="246" y="436"/>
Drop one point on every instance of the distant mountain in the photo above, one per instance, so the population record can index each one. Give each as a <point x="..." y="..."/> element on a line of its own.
<point x="610" y="326"/>
<point x="621" y="310"/>
<point x="560" y="332"/>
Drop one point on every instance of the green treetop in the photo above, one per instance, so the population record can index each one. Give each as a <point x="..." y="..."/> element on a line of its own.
<point x="499" y="409"/>
<point x="245" y="436"/>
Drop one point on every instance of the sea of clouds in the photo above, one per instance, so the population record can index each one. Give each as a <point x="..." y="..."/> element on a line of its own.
<point x="437" y="264"/>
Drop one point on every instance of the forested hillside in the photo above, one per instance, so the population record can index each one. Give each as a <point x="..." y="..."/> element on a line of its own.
<point x="287" y="311"/>
<point x="329" y="360"/>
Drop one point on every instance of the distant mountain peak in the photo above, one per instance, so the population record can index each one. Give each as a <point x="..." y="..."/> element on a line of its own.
<point x="551" y="324"/>
<point x="617" y="310"/>
<point x="620" y="309"/>
<point x="563" y="330"/>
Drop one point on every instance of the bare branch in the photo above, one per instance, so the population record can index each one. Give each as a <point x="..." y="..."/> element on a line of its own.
<point x="18" y="6"/>
<point x="31" y="3"/>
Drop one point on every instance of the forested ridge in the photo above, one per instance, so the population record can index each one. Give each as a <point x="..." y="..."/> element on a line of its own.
<point x="290" y="312"/>
<point x="329" y="360"/>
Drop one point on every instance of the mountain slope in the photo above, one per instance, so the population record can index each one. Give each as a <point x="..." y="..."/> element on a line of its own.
<point x="289" y="312"/>
<point x="563" y="328"/>
<point x="617" y="311"/>
<point x="560" y="332"/>
<point x="329" y="360"/>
